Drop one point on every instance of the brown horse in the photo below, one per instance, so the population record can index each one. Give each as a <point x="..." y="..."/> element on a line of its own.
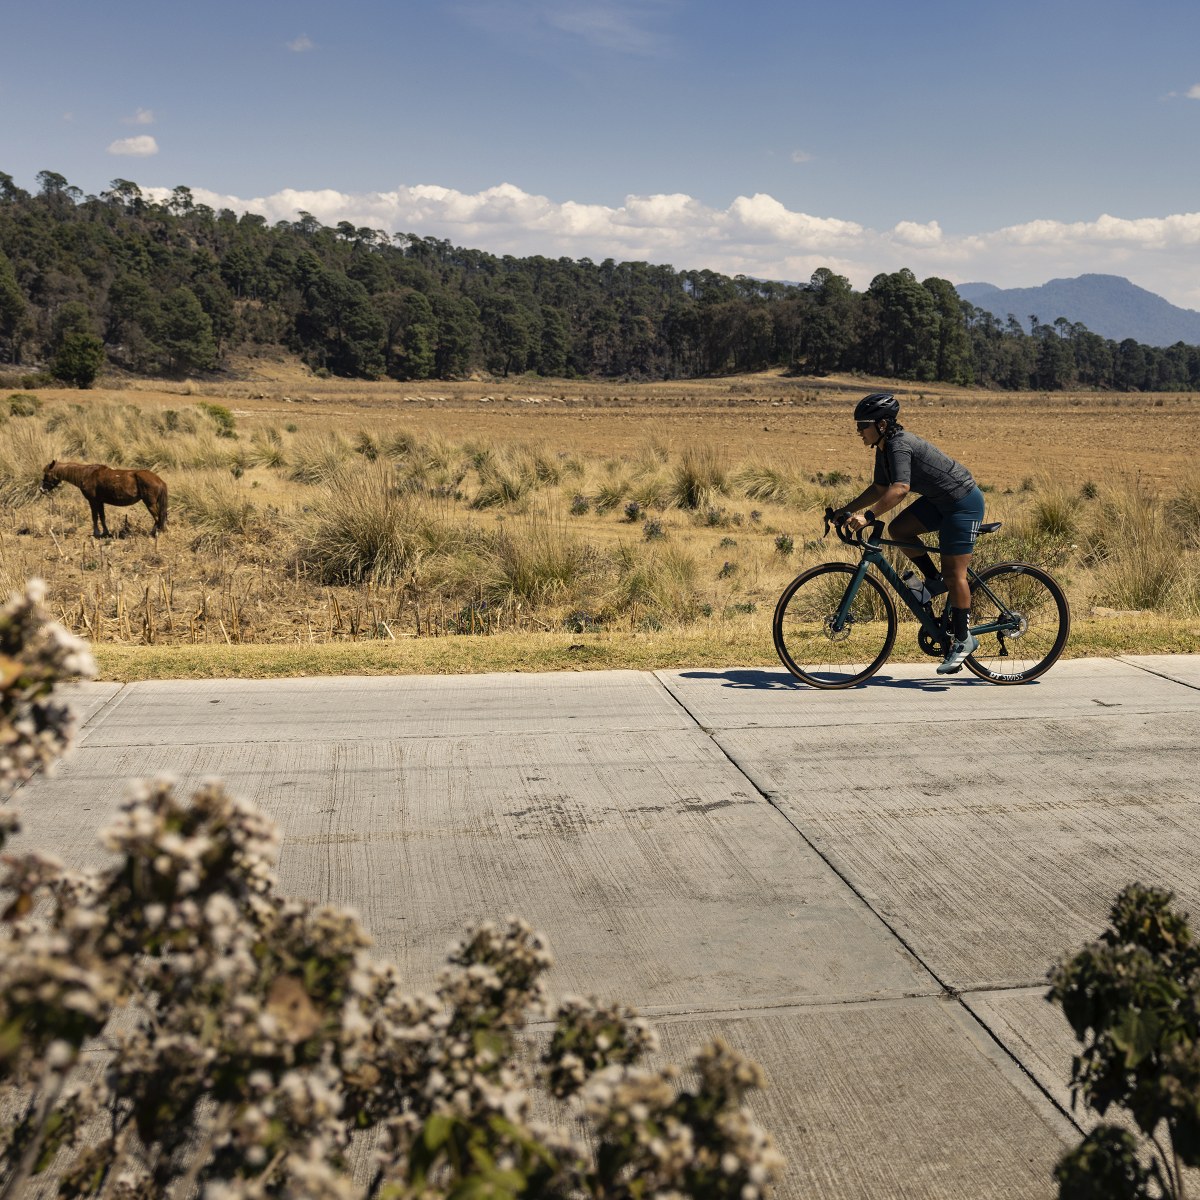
<point x="110" y="485"/>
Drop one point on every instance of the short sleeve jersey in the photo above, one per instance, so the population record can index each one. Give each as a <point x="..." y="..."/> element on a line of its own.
<point x="906" y="458"/>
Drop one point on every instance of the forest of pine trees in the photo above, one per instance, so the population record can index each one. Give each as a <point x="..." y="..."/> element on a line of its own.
<point x="171" y="288"/>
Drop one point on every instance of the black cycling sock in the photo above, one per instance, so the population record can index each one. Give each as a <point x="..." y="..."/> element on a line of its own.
<point x="959" y="623"/>
<point x="924" y="564"/>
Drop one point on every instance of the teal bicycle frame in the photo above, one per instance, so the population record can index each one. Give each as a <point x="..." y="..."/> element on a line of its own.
<point x="931" y="624"/>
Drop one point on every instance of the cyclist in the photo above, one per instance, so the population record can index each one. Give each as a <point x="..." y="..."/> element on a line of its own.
<point x="949" y="503"/>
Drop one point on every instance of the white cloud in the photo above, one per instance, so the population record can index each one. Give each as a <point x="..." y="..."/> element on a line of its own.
<point x="610" y="26"/>
<point x="143" y="116"/>
<point x="756" y="235"/>
<point x="912" y="234"/>
<point x="1193" y="93"/>
<point x="300" y="44"/>
<point x="142" y="146"/>
<point x="618" y="25"/>
<point x="801" y="156"/>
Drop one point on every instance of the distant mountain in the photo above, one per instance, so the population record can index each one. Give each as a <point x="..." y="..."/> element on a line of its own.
<point x="1107" y="304"/>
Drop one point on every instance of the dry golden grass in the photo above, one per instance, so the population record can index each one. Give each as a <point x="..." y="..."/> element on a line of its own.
<point x="639" y="522"/>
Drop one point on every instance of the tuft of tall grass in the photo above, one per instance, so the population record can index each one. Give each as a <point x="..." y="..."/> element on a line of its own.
<point x="316" y="458"/>
<point x="1137" y="555"/>
<point x="266" y="448"/>
<point x="219" y="511"/>
<point x="368" y="530"/>
<point x="1183" y="511"/>
<point x="24" y="452"/>
<point x="501" y="484"/>
<point x="537" y="561"/>
<point x="399" y="443"/>
<point x="652" y="491"/>
<point x="609" y="494"/>
<point x="658" y="579"/>
<point x="1055" y="511"/>
<point x="772" y="484"/>
<point x="699" y="477"/>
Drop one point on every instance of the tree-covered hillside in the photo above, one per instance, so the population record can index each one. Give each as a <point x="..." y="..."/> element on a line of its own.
<point x="172" y="287"/>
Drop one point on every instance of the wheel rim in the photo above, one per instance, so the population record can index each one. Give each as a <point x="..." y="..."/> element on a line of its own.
<point x="812" y="649"/>
<point x="1042" y="624"/>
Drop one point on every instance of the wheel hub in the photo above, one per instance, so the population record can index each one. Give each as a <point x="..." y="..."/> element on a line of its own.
<point x="837" y="635"/>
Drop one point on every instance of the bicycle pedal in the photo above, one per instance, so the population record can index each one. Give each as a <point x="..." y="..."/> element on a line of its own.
<point x="952" y="671"/>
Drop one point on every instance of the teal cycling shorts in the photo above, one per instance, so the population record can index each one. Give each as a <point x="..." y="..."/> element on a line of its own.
<point x="957" y="525"/>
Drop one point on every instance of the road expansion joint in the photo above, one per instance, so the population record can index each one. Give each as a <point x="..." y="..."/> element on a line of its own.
<point x="946" y="990"/>
<point x="1161" y="675"/>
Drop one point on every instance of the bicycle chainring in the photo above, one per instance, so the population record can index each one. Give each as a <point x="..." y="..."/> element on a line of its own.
<point x="934" y="648"/>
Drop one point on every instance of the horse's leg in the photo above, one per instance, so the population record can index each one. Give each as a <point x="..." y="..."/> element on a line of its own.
<point x="99" y="524"/>
<point x="152" y="508"/>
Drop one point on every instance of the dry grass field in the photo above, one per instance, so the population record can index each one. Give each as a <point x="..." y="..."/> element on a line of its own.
<point x="319" y="525"/>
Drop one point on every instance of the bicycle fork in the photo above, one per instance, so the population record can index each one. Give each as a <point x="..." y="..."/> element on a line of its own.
<point x="842" y="616"/>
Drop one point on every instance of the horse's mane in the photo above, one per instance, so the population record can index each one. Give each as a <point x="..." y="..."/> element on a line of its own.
<point x="71" y="472"/>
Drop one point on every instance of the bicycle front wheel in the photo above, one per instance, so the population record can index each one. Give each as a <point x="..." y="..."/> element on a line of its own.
<point x="812" y="649"/>
<point x="1035" y="616"/>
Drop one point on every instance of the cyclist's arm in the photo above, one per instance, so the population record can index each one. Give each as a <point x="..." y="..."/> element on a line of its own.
<point x="873" y="492"/>
<point x="889" y="497"/>
<point x="885" y="499"/>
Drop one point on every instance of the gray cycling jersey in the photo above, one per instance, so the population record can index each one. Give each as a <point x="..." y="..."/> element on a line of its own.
<point x="906" y="458"/>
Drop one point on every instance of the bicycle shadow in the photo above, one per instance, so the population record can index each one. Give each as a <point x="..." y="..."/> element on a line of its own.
<point x="762" y="680"/>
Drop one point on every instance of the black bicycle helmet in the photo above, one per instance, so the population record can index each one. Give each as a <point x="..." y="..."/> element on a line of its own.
<point x="878" y="406"/>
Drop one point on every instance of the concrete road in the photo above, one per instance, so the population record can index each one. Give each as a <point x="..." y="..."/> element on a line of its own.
<point x="864" y="890"/>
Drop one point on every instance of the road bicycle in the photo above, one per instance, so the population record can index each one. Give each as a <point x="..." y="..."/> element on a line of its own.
<point x="835" y="624"/>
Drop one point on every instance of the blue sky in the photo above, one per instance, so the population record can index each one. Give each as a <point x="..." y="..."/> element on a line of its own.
<point x="1010" y="143"/>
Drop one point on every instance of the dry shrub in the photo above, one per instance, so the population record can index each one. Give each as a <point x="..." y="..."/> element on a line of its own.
<point x="24" y="453"/>
<point x="1055" y="512"/>
<point x="316" y="458"/>
<point x="219" y="510"/>
<point x="535" y="561"/>
<point x="367" y="530"/>
<point x="700" y="477"/>
<point x="659" y="579"/>
<point x="266" y="448"/>
<point x="1137" y="555"/>
<point x="1183" y="511"/>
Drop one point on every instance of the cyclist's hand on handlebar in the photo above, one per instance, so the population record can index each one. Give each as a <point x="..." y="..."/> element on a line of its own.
<point x="856" y="521"/>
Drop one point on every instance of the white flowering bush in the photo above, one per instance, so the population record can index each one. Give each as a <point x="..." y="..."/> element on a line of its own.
<point x="170" y="1026"/>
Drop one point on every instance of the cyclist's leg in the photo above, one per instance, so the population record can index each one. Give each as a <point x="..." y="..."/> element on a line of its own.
<point x="919" y="517"/>
<point x="957" y="535"/>
<point x="954" y="572"/>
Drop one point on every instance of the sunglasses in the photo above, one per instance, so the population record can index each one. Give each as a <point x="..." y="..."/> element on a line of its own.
<point x="861" y="425"/>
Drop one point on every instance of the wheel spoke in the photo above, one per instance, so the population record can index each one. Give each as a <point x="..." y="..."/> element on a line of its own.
<point x="1036" y="611"/>
<point x="804" y="627"/>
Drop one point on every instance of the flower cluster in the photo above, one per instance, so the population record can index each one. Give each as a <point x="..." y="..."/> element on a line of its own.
<point x="249" y="1039"/>
<point x="35" y="655"/>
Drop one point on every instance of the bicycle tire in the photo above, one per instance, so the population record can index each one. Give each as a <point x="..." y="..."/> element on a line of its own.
<point x="1035" y="596"/>
<point x="804" y="642"/>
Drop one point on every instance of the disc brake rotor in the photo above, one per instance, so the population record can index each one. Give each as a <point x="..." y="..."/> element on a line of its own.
<point x="837" y="635"/>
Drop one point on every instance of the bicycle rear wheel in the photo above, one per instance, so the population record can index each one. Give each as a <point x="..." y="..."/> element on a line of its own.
<point x="803" y="632"/>
<point x="1035" y="606"/>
